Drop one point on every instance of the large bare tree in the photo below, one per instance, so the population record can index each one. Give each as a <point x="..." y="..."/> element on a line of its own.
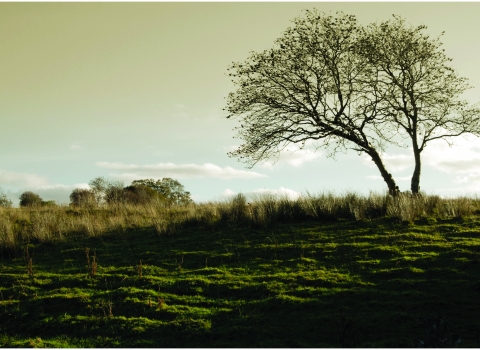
<point x="420" y="93"/>
<point x="313" y="85"/>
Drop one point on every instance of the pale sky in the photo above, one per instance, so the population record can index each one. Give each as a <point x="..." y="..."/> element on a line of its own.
<point x="136" y="90"/>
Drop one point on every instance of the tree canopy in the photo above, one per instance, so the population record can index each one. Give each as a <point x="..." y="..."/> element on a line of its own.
<point x="327" y="81"/>
<point x="106" y="191"/>
<point x="171" y="190"/>
<point x="81" y="197"/>
<point x="30" y="199"/>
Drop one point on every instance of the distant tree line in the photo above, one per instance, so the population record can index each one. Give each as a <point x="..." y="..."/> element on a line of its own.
<point x="105" y="191"/>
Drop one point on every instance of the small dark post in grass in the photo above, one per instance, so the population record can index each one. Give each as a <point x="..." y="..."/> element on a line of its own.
<point x="87" y="251"/>
<point x="93" y="265"/>
<point x="28" y="261"/>
<point x="3" y="302"/>
<point x="139" y="270"/>
<point x="30" y="267"/>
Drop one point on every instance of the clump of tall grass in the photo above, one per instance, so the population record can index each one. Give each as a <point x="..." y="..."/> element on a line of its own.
<point x="20" y="226"/>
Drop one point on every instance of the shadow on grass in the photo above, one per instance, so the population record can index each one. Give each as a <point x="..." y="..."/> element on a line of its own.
<point x="311" y="284"/>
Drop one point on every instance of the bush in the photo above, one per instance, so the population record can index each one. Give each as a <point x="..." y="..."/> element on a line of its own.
<point x="140" y="194"/>
<point x="114" y="194"/>
<point x="171" y="190"/>
<point x="81" y="197"/>
<point x="30" y="199"/>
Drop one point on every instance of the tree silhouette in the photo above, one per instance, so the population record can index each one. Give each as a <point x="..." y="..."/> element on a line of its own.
<point x="82" y="197"/>
<point x="169" y="189"/>
<point x="30" y="199"/>
<point x="313" y="85"/>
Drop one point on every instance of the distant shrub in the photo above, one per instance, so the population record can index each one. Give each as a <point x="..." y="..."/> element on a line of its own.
<point x="81" y="197"/>
<point x="4" y="201"/>
<point x="107" y="191"/>
<point x="114" y="194"/>
<point x="48" y="203"/>
<point x="171" y="190"/>
<point x="30" y="199"/>
<point x="140" y="194"/>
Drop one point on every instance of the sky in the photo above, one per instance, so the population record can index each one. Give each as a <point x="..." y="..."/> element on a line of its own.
<point x="136" y="90"/>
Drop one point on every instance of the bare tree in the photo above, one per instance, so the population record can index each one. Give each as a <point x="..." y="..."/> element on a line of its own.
<point x="419" y="93"/>
<point x="106" y="190"/>
<point x="313" y="85"/>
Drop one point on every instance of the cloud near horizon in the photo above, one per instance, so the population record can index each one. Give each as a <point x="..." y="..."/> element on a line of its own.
<point x="22" y="180"/>
<point x="281" y="192"/>
<point x="131" y="172"/>
<point x="294" y="156"/>
<point x="463" y="157"/>
<point x="291" y="155"/>
<point x="58" y="192"/>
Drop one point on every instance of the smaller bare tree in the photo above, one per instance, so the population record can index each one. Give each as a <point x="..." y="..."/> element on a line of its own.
<point x="107" y="191"/>
<point x="419" y="92"/>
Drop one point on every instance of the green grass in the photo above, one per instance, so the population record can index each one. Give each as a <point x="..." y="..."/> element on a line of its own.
<point x="367" y="283"/>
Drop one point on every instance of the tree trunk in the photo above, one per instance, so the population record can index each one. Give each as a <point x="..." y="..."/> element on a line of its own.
<point x="415" y="184"/>
<point x="392" y="186"/>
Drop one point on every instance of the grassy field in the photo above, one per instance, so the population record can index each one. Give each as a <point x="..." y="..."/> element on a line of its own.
<point x="378" y="275"/>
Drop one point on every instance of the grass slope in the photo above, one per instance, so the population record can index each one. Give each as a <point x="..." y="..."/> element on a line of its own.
<point x="374" y="283"/>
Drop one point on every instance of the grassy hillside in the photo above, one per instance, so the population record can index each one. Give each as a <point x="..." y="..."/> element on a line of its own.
<point x="355" y="273"/>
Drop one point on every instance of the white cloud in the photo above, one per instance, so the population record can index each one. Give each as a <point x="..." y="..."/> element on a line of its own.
<point x="281" y="192"/>
<point x="228" y="193"/>
<point x="160" y="170"/>
<point x="462" y="158"/>
<point x="58" y="192"/>
<point x="293" y="156"/>
<point x="75" y="146"/>
<point x="14" y="179"/>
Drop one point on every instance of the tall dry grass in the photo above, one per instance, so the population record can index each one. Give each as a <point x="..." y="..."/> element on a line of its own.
<point x="20" y="226"/>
